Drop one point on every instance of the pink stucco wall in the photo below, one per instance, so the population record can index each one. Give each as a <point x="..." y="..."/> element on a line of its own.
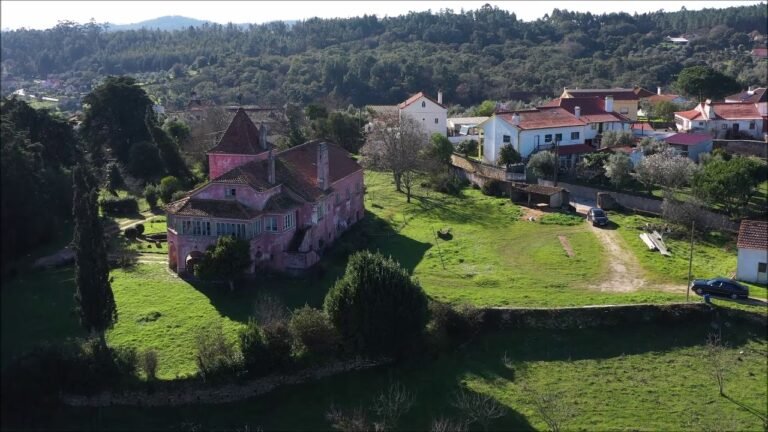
<point x="244" y="194"/>
<point x="270" y="250"/>
<point x="219" y="163"/>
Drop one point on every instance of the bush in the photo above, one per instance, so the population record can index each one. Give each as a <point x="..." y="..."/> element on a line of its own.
<point x="376" y="306"/>
<point x="149" y="364"/>
<point x="468" y="148"/>
<point x="178" y="195"/>
<point x="265" y="348"/>
<point x="216" y="356"/>
<point x="447" y="183"/>
<point x="139" y="229"/>
<point x="493" y="188"/>
<point x="313" y="335"/>
<point x="452" y="325"/>
<point x="168" y="185"/>
<point x="151" y="194"/>
<point x="131" y="233"/>
<point x="119" y="206"/>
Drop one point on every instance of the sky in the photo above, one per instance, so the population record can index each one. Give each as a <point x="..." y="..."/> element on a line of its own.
<point x="45" y="14"/>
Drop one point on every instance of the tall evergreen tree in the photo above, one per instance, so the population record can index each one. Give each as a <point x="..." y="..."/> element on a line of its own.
<point x="95" y="301"/>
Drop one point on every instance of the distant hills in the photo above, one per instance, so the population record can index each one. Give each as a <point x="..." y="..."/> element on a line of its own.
<point x="170" y="23"/>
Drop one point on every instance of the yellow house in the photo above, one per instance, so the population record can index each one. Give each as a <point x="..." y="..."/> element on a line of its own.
<point x="625" y="100"/>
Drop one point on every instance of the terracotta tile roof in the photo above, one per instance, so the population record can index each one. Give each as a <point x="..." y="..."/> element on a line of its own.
<point x="617" y="93"/>
<point x="592" y="109"/>
<point x="643" y="93"/>
<point x="688" y="139"/>
<point x="280" y="203"/>
<point x="753" y="235"/>
<point x="542" y="118"/>
<point x="757" y="95"/>
<point x="642" y="126"/>
<point x="565" y="150"/>
<point x="241" y="137"/>
<point x="211" y="208"/>
<point x="416" y="97"/>
<point x="691" y="114"/>
<point x="734" y="111"/>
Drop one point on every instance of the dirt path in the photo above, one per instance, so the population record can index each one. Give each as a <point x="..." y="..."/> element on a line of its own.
<point x="625" y="273"/>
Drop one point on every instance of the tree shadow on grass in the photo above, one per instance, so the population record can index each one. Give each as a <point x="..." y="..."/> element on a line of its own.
<point x="310" y="288"/>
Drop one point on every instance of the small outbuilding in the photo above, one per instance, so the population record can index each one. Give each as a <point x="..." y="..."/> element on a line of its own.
<point x="691" y="145"/>
<point x="752" y="261"/>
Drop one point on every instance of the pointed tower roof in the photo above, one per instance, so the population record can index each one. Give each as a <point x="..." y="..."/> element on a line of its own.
<point x="241" y="137"/>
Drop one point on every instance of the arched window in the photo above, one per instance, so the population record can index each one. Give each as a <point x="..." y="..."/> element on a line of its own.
<point x="423" y="104"/>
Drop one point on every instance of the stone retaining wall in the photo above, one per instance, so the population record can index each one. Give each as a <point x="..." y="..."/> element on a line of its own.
<point x="743" y="147"/>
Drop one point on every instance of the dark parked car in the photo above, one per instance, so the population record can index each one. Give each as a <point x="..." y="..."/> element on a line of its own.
<point x="720" y="286"/>
<point x="597" y="217"/>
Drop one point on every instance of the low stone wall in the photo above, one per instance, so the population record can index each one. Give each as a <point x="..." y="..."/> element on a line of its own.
<point x="743" y="147"/>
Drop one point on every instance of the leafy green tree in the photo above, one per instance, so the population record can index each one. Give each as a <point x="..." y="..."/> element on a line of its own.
<point x="144" y="161"/>
<point x="312" y="333"/>
<point x="617" y="139"/>
<point x="151" y="195"/>
<point x="168" y="186"/>
<point x="730" y="183"/>
<point x="664" y="110"/>
<point x="114" y="179"/>
<point x="542" y="164"/>
<point x="168" y="150"/>
<point x="228" y="259"/>
<point x="468" y="148"/>
<point x="618" y="169"/>
<point x="376" y="306"/>
<point x="440" y="151"/>
<point x="703" y="82"/>
<point x="93" y="295"/>
<point x="343" y="129"/>
<point x="266" y="347"/>
<point x="485" y="109"/>
<point x="508" y="155"/>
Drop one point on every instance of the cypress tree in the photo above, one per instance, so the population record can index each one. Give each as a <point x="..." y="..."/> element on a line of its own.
<point x="94" y="298"/>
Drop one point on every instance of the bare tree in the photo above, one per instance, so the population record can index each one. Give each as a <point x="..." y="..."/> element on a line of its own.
<point x="268" y="309"/>
<point x="551" y="407"/>
<point x="478" y="408"/>
<point x="391" y="404"/>
<point x="206" y="127"/>
<point x="443" y="424"/>
<point x="397" y="145"/>
<point x="717" y="362"/>
<point x="348" y="421"/>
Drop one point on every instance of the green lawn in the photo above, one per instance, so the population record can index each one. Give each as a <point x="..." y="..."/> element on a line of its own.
<point x="641" y="378"/>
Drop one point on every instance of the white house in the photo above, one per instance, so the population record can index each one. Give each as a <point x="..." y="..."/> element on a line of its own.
<point x="752" y="261"/>
<point x="725" y="119"/>
<point x="431" y="113"/>
<point x="597" y="112"/>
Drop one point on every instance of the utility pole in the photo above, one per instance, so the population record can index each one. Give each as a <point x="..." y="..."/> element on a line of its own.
<point x="690" y="263"/>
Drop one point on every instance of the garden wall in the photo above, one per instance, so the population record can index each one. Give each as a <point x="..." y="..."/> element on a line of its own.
<point x="742" y="147"/>
<point x="704" y="217"/>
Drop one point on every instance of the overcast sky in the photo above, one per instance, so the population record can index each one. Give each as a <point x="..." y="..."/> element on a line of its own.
<point x="45" y="14"/>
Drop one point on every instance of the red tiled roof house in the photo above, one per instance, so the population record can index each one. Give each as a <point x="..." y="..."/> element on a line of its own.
<point x="727" y="119"/>
<point x="289" y="205"/>
<point x="752" y="261"/>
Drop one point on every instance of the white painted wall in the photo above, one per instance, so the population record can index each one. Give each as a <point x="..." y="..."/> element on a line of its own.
<point x="717" y="126"/>
<point x="747" y="261"/>
<point x="427" y="114"/>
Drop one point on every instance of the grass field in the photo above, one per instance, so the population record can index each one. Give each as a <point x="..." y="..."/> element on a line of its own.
<point x="641" y="378"/>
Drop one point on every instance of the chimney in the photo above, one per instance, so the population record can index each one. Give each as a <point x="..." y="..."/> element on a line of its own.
<point x="750" y="91"/>
<point x="440" y="97"/>
<point x="271" y="162"/>
<point x="658" y="90"/>
<point x="609" y="103"/>
<point x="516" y="119"/>
<point x="577" y="112"/>
<point x="709" y="110"/>
<point x="322" y="165"/>
<point x="263" y="136"/>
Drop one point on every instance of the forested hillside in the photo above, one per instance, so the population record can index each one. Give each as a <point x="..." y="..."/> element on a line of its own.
<point x="471" y="55"/>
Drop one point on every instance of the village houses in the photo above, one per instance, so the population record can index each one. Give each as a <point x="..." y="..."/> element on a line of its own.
<point x="430" y="113"/>
<point x="289" y="205"/>
<point x="742" y="114"/>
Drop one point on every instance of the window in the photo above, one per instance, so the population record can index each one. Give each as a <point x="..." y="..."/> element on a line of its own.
<point x="230" y="192"/>
<point x="574" y="135"/>
<point x="751" y="125"/>
<point x="270" y="224"/>
<point x="320" y="211"/>
<point x="558" y="137"/>
<point x="762" y="267"/>
<point x="724" y="126"/>
<point x="256" y="227"/>
<point x="548" y="138"/>
<point x="594" y="126"/>
<point x="625" y="110"/>
<point x="506" y="138"/>
<point x="288" y="221"/>
<point x="701" y="123"/>
<point x="435" y="120"/>
<point x="423" y="104"/>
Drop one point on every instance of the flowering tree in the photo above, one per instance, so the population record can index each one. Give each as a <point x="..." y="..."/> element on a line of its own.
<point x="618" y="168"/>
<point x="666" y="169"/>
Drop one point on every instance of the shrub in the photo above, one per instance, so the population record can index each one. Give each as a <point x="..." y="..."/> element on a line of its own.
<point x="168" y="185"/>
<point x="216" y="356"/>
<point x="149" y="363"/>
<point x="265" y="348"/>
<point x="118" y="206"/>
<point x="492" y="188"/>
<point x="468" y="148"/>
<point x="446" y="183"/>
<point x="451" y="324"/>
<point x="131" y="233"/>
<point x="376" y="306"/>
<point x="178" y="195"/>
<point x="312" y="333"/>
<point x="151" y="194"/>
<point x="139" y="229"/>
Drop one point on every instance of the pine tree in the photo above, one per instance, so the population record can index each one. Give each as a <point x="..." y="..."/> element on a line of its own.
<point x="94" y="298"/>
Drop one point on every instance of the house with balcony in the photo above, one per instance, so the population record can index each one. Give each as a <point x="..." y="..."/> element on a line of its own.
<point x="289" y="205"/>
